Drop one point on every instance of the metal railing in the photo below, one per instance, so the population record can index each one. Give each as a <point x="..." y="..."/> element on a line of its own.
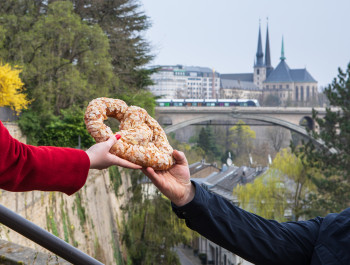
<point x="44" y="238"/>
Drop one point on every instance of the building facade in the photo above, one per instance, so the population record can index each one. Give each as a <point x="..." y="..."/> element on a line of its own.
<point x="178" y="81"/>
<point x="292" y="87"/>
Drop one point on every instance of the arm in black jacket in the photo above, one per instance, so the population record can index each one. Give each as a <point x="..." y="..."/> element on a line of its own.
<point x="252" y="237"/>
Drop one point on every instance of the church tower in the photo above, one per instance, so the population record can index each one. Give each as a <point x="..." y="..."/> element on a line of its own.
<point x="268" y="65"/>
<point x="259" y="66"/>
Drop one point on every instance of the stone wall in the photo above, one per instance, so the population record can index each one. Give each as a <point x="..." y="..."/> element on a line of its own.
<point x="15" y="131"/>
<point x="90" y="219"/>
<point x="7" y="114"/>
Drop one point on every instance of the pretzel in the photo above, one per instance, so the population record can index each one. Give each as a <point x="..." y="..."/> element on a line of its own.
<point x="143" y="141"/>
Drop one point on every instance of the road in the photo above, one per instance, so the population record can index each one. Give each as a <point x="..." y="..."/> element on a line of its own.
<point x="186" y="257"/>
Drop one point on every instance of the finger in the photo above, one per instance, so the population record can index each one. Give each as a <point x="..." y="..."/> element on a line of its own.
<point x="152" y="175"/>
<point x="180" y="157"/>
<point x="111" y="141"/>
<point x="144" y="170"/>
<point x="124" y="163"/>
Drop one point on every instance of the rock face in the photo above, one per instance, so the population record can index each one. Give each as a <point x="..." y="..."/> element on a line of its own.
<point x="90" y="219"/>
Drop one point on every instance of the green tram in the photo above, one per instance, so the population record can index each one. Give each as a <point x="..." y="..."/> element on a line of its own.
<point x="207" y="103"/>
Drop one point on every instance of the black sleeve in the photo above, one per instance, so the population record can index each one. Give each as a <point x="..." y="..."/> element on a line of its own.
<point x="252" y="237"/>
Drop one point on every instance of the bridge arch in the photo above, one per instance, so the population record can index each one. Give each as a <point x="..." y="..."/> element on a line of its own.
<point x="307" y="122"/>
<point x="288" y="125"/>
<point x="285" y="124"/>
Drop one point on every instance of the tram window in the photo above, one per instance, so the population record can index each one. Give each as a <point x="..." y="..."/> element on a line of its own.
<point x="161" y="104"/>
<point x="227" y="104"/>
<point x="166" y="104"/>
<point x="194" y="104"/>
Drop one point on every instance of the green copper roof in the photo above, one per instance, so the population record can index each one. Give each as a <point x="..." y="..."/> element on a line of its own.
<point x="282" y="51"/>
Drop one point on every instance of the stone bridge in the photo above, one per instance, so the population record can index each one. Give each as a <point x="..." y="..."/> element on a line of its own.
<point x="292" y="118"/>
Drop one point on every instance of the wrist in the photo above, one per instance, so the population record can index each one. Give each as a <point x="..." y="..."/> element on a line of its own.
<point x="90" y="158"/>
<point x="188" y="196"/>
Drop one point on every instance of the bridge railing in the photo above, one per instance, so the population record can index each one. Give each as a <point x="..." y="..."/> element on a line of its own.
<point x="44" y="238"/>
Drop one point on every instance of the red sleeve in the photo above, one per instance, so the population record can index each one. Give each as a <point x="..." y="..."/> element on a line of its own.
<point x="25" y="167"/>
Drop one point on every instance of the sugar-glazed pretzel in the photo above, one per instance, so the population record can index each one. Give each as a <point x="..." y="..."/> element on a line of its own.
<point x="143" y="141"/>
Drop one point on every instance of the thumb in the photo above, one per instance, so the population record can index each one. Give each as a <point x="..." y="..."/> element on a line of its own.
<point x="180" y="157"/>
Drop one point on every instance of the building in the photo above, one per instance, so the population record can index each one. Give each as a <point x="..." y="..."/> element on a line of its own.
<point x="202" y="169"/>
<point x="291" y="86"/>
<point x="288" y="87"/>
<point x="178" y="81"/>
<point x="238" y="88"/>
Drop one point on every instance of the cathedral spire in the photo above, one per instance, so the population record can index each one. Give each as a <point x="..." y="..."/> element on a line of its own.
<point x="282" y="51"/>
<point x="267" y="49"/>
<point x="259" y="52"/>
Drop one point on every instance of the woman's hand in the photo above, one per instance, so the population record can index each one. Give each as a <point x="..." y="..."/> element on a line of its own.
<point x="101" y="158"/>
<point x="174" y="183"/>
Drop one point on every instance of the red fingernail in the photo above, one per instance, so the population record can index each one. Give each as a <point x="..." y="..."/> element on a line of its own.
<point x="118" y="136"/>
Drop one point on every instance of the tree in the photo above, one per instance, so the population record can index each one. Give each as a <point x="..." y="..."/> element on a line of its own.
<point x="69" y="54"/>
<point x="272" y="101"/>
<point x="332" y="160"/>
<point x="241" y="138"/>
<point x="124" y="23"/>
<point x="65" y="61"/>
<point x="192" y="151"/>
<point x="68" y="131"/>
<point x="285" y="186"/>
<point x="152" y="230"/>
<point x="266" y="197"/>
<point x="11" y="89"/>
<point x="277" y="136"/>
<point x="70" y="61"/>
<point x="206" y="141"/>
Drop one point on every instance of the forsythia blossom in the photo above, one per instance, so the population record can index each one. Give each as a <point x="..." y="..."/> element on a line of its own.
<point x="11" y="88"/>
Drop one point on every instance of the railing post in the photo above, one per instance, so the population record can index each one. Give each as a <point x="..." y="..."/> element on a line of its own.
<point x="44" y="238"/>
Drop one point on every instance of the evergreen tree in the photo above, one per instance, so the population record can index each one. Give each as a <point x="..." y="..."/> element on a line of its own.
<point x="124" y="23"/>
<point x="207" y="142"/>
<point x="333" y="161"/>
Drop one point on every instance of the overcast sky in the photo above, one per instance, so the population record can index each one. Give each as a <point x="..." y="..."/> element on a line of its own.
<point x="223" y="34"/>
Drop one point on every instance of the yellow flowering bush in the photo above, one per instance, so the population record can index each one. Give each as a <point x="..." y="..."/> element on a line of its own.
<point x="11" y="88"/>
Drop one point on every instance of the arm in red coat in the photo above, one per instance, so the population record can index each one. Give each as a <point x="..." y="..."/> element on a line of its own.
<point x="25" y="167"/>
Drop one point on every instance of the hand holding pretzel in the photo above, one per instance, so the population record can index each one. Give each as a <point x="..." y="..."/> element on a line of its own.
<point x="143" y="141"/>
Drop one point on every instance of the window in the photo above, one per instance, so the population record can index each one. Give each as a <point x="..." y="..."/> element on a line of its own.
<point x="301" y="93"/>
<point x="267" y="86"/>
<point x="287" y="86"/>
<point x="273" y="86"/>
<point x="258" y="71"/>
<point x="281" y="86"/>
<point x="296" y="93"/>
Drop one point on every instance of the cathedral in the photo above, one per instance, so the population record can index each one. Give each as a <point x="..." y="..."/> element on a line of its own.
<point x="290" y="87"/>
